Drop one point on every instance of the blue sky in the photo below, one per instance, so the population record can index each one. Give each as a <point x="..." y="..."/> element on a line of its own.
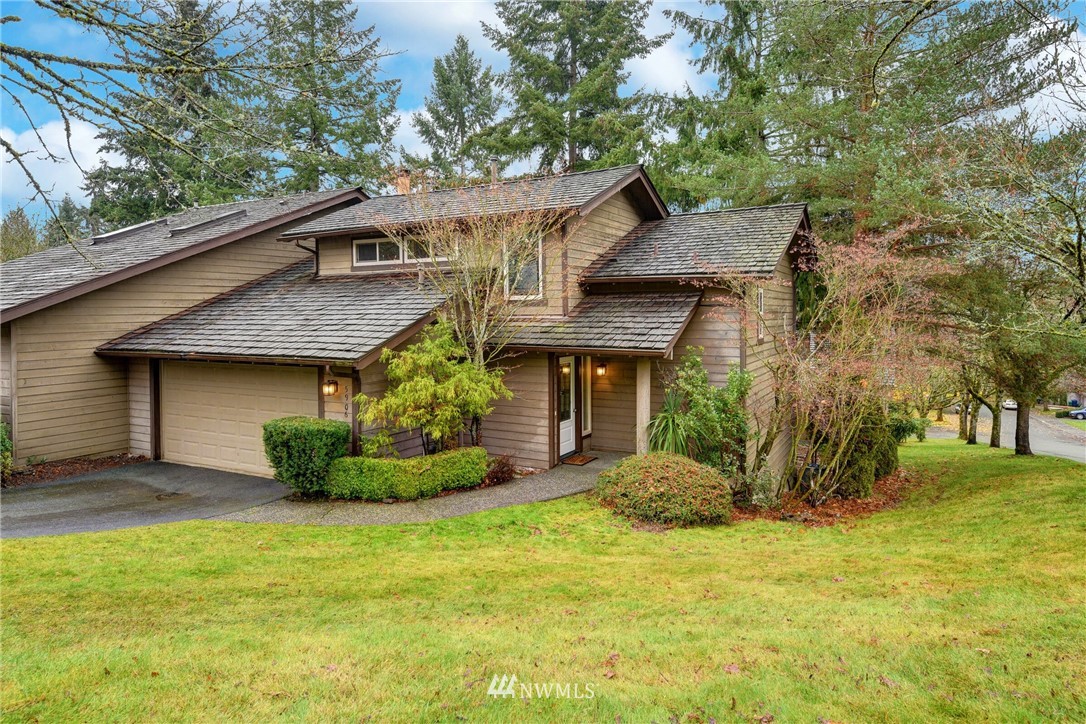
<point x="419" y="30"/>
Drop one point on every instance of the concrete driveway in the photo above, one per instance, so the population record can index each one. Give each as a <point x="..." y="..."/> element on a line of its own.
<point x="129" y="496"/>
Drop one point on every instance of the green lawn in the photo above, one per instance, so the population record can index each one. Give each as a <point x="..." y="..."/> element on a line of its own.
<point x="966" y="602"/>
<point x="1080" y="424"/>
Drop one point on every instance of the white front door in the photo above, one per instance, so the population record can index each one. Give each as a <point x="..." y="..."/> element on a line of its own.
<point x="567" y="406"/>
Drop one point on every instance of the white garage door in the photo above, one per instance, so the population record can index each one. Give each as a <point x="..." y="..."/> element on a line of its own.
<point x="211" y="414"/>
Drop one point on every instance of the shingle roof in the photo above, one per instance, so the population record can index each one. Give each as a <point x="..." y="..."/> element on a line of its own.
<point x="648" y="323"/>
<point x="748" y="240"/>
<point x="55" y="270"/>
<point x="288" y="315"/>
<point x="567" y="191"/>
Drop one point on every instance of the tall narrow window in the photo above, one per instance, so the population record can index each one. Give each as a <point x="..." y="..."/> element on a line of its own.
<point x="761" y="315"/>
<point x="524" y="274"/>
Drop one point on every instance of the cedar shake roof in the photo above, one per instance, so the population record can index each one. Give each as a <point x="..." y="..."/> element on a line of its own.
<point x="565" y="191"/>
<point x="749" y="241"/>
<point x="647" y="323"/>
<point x="67" y="271"/>
<point x="286" y="316"/>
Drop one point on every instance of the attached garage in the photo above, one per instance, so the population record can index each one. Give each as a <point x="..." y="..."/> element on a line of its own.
<point x="211" y="414"/>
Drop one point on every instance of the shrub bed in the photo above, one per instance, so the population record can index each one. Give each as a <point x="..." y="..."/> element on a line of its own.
<point x="666" y="488"/>
<point x="872" y="455"/>
<point x="301" y="449"/>
<point x="407" y="479"/>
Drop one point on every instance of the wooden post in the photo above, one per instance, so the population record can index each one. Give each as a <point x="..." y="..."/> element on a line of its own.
<point x="644" y="390"/>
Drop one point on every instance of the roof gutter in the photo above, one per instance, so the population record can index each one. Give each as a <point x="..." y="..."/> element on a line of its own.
<point x="251" y="359"/>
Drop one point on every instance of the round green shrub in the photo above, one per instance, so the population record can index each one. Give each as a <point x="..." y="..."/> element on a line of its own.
<point x="666" y="488"/>
<point x="301" y="449"/>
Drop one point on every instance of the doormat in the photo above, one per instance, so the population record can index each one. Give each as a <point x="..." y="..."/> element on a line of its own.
<point x="579" y="459"/>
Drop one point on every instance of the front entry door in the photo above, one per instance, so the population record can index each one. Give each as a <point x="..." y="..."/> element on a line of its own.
<point x="567" y="406"/>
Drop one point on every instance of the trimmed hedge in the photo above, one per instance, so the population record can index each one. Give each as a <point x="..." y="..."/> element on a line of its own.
<point x="666" y="488"/>
<point x="301" y="449"/>
<point x="408" y="478"/>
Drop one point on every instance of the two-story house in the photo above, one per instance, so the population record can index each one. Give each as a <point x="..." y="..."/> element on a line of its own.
<point x="631" y="289"/>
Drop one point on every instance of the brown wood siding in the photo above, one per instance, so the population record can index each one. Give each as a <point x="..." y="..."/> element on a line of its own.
<point x="335" y="256"/>
<point x="5" y="374"/>
<point x="614" y="405"/>
<point x="595" y="234"/>
<point x="70" y="402"/>
<point x="139" y="407"/>
<point x="520" y="427"/>
<point x="779" y="317"/>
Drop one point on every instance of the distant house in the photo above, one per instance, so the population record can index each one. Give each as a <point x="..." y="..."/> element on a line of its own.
<point x="184" y="359"/>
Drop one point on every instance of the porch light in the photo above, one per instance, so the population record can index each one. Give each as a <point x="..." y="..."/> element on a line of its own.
<point x="601" y="369"/>
<point x="330" y="387"/>
<point x="565" y="369"/>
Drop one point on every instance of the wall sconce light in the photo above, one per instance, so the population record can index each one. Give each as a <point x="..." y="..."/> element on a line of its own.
<point x="330" y="387"/>
<point x="565" y="369"/>
<point x="601" y="369"/>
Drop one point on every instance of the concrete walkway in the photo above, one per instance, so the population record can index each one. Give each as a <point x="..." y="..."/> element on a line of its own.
<point x="555" y="483"/>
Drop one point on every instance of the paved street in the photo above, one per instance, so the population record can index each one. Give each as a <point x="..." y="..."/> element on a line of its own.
<point x="1047" y="435"/>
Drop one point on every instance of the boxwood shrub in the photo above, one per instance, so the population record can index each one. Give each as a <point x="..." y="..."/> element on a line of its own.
<point x="408" y="478"/>
<point x="666" y="488"/>
<point x="300" y="450"/>
<point x="872" y="455"/>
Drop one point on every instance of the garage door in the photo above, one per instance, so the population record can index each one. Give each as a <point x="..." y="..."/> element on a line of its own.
<point x="211" y="414"/>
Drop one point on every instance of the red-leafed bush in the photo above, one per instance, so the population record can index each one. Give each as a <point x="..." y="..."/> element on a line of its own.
<point x="666" y="488"/>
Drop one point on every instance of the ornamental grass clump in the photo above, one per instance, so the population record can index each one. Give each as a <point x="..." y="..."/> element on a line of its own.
<point x="667" y="489"/>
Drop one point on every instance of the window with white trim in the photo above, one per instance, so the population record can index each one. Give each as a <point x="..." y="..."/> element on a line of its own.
<point x="375" y="251"/>
<point x="524" y="274"/>
<point x="761" y="314"/>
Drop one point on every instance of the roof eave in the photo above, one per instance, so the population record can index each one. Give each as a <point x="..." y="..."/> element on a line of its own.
<point x="78" y="290"/>
<point x="651" y="195"/>
<point x="251" y="359"/>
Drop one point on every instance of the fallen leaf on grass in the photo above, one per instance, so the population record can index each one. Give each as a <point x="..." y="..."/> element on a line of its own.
<point x="731" y="668"/>
<point x="888" y="682"/>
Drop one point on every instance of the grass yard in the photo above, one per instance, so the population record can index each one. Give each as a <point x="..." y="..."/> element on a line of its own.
<point x="1080" y="424"/>
<point x="969" y="601"/>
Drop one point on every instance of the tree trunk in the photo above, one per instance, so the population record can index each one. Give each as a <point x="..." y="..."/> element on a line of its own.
<point x="973" y="419"/>
<point x="939" y="415"/>
<point x="1021" y="431"/>
<point x="997" y="421"/>
<point x="963" y="418"/>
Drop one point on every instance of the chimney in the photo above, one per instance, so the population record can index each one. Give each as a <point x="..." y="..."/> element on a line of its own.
<point x="493" y="169"/>
<point x="403" y="181"/>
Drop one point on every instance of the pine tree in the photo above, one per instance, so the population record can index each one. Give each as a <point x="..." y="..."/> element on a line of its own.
<point x="463" y="100"/>
<point x="71" y="223"/>
<point x="177" y="154"/>
<point x="842" y="103"/>
<point x="567" y="65"/>
<point x="18" y="235"/>
<point x="333" y="121"/>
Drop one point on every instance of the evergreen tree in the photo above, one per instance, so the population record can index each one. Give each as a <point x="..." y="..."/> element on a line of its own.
<point x="463" y="100"/>
<point x="567" y="64"/>
<point x="18" y="235"/>
<point x="71" y="223"/>
<point x="333" y="121"/>
<point x="177" y="154"/>
<point x="843" y="103"/>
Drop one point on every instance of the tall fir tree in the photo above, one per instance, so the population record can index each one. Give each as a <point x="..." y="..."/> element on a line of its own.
<point x="178" y="155"/>
<point x="333" y="121"/>
<point x="18" y="235"/>
<point x="72" y="222"/>
<point x="567" y="65"/>
<point x="842" y="103"/>
<point x="463" y="100"/>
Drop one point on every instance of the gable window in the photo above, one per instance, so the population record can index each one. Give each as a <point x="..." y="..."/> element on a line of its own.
<point x="524" y="274"/>
<point x="375" y="251"/>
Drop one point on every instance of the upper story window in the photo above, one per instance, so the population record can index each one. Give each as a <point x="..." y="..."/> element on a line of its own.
<point x="524" y="274"/>
<point x="761" y="314"/>
<point x="375" y="251"/>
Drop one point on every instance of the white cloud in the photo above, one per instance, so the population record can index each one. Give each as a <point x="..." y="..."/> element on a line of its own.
<point x="406" y="136"/>
<point x="57" y="177"/>
<point x="666" y="70"/>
